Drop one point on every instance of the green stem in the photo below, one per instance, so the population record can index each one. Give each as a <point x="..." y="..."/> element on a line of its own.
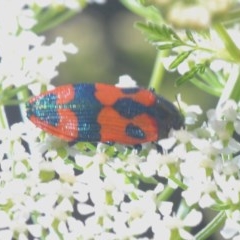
<point x="23" y="96"/>
<point x="165" y="194"/>
<point x="150" y="13"/>
<point x="212" y="227"/>
<point x="3" y="118"/>
<point x="183" y="209"/>
<point x="178" y="182"/>
<point x="231" y="47"/>
<point x="232" y="87"/>
<point x="235" y="85"/>
<point x="158" y="71"/>
<point x="215" y="91"/>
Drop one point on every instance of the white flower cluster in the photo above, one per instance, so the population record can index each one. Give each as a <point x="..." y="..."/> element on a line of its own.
<point x="65" y="193"/>
<point x="102" y="201"/>
<point x="207" y="162"/>
<point x="104" y="198"/>
<point x="25" y="59"/>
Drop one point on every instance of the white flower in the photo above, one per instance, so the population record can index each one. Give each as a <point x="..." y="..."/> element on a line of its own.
<point x="42" y="61"/>
<point x="191" y="113"/>
<point x="158" y="164"/>
<point x="162" y="229"/>
<point x="140" y="213"/>
<point x="101" y="220"/>
<point x="41" y="189"/>
<point x="231" y="229"/>
<point x="126" y="81"/>
<point x="209" y="148"/>
<point x="218" y="65"/>
<point x="72" y="228"/>
<point x="165" y="208"/>
<point x="131" y="164"/>
<point x="116" y="184"/>
<point x="229" y="188"/>
<point x="199" y="190"/>
<point x="16" y="15"/>
<point x="24" y="58"/>
<point x="193" y="162"/>
<point x="226" y="113"/>
<point x="228" y="110"/>
<point x="21" y="64"/>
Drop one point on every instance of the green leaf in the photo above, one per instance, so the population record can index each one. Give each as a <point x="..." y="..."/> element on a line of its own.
<point x="186" y="76"/>
<point x="151" y="31"/>
<point x="190" y="36"/>
<point x="169" y="31"/>
<point x="199" y="68"/>
<point x="165" y="46"/>
<point x="215" y="91"/>
<point x="179" y="59"/>
<point x="51" y="17"/>
<point x="177" y="44"/>
<point x="202" y="68"/>
<point x="158" y="33"/>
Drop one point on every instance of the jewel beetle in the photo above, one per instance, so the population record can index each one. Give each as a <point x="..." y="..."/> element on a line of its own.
<point x="104" y="113"/>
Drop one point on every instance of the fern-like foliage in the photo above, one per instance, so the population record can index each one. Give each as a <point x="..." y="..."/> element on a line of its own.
<point x="164" y="37"/>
